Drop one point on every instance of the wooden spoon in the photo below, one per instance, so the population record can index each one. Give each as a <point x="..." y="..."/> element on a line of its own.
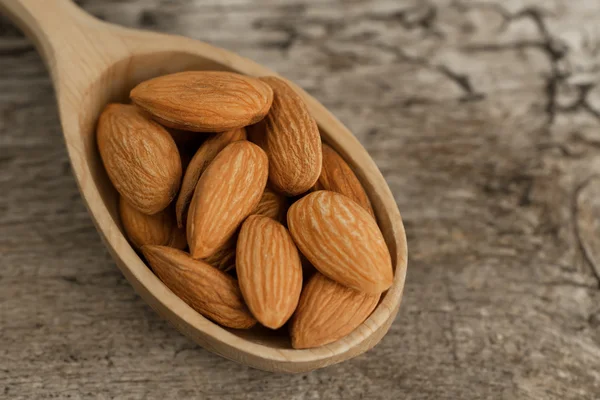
<point x="93" y="63"/>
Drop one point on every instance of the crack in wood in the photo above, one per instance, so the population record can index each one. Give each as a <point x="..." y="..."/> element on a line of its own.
<point x="581" y="102"/>
<point x="486" y="200"/>
<point x="423" y="16"/>
<point x="461" y="80"/>
<point x="584" y="248"/>
<point x="554" y="49"/>
<point x="453" y="302"/>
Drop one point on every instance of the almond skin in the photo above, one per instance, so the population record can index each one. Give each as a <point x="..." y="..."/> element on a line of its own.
<point x="140" y="157"/>
<point x="269" y="270"/>
<point x="203" y="157"/>
<point x="224" y="258"/>
<point x="328" y="311"/>
<point x="272" y="205"/>
<point x="204" y="101"/>
<point x="337" y="176"/>
<point x="158" y="229"/>
<point x="227" y="192"/>
<point x="207" y="290"/>
<point x="291" y="139"/>
<point x="342" y="240"/>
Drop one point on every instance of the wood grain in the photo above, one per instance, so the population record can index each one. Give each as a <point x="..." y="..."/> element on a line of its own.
<point x="482" y="139"/>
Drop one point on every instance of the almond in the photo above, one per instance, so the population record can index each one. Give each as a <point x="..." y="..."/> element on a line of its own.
<point x="140" y="157"/>
<point x="203" y="157"/>
<point x="224" y="258"/>
<point x="158" y="229"/>
<point x="204" y="101"/>
<point x="328" y="311"/>
<point x="342" y="240"/>
<point x="207" y="290"/>
<point x="272" y="205"/>
<point x="269" y="270"/>
<point x="227" y="192"/>
<point x="290" y="137"/>
<point x="337" y="176"/>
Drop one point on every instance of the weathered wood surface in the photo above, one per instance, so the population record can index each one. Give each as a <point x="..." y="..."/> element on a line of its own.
<point x="483" y="116"/>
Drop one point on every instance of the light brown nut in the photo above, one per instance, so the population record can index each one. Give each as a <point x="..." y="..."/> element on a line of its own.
<point x="227" y="192"/>
<point x="158" y="229"/>
<point x="224" y="258"/>
<point x="328" y="311"/>
<point x="269" y="270"/>
<point x="203" y="157"/>
<point x="204" y="101"/>
<point x="291" y="139"/>
<point x="272" y="205"/>
<point x="207" y="290"/>
<point x="342" y="240"/>
<point x="140" y="157"/>
<point x="337" y="176"/>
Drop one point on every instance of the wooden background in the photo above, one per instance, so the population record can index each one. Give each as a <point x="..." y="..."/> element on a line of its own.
<point x="484" y="117"/>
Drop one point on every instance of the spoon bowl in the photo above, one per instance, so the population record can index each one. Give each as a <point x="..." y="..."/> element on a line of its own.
<point x="93" y="63"/>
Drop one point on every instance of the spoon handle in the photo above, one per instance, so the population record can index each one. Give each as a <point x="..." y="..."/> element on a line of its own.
<point x="71" y="41"/>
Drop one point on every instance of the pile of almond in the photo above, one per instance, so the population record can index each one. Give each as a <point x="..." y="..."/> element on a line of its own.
<point x="237" y="206"/>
